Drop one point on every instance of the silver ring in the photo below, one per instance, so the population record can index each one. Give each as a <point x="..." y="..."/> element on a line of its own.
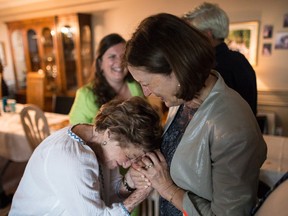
<point x="149" y="166"/>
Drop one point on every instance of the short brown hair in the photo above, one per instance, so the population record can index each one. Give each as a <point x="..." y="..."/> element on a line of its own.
<point x="164" y="43"/>
<point x="133" y="121"/>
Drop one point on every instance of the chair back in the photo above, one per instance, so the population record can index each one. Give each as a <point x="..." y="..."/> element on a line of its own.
<point x="35" y="124"/>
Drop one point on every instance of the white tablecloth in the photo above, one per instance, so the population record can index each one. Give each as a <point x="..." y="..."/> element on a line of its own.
<point x="276" y="164"/>
<point x="13" y="143"/>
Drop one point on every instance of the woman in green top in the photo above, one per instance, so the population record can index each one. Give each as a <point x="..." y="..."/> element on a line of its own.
<point x="110" y="81"/>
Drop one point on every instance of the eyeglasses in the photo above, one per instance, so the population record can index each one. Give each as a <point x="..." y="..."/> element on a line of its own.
<point x="134" y="160"/>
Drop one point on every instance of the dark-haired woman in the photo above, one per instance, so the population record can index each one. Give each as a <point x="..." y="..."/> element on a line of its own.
<point x="110" y="81"/>
<point x="212" y="147"/>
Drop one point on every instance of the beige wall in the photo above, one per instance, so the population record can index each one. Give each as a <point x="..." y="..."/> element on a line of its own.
<point x="123" y="16"/>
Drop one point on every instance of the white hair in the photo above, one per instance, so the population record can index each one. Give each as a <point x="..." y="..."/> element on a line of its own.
<point x="211" y="17"/>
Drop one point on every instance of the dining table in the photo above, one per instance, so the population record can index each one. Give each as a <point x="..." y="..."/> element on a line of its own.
<point x="13" y="143"/>
<point x="276" y="163"/>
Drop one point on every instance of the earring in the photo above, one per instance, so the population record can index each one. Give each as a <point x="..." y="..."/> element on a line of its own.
<point x="104" y="143"/>
<point x="179" y="85"/>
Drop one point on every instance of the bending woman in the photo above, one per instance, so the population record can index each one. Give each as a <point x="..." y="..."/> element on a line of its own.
<point x="75" y="170"/>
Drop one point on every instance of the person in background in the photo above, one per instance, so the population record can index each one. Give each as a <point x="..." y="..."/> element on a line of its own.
<point x="233" y="66"/>
<point x="110" y="81"/>
<point x="75" y="171"/>
<point x="212" y="147"/>
<point x="4" y="87"/>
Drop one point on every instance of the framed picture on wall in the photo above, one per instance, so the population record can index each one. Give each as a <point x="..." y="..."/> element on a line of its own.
<point x="243" y="37"/>
<point x="2" y="54"/>
<point x="267" y="31"/>
<point x="281" y="40"/>
<point x="285" y="20"/>
<point x="267" y="49"/>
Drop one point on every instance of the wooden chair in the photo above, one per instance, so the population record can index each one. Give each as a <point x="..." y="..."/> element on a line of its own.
<point x="35" y="124"/>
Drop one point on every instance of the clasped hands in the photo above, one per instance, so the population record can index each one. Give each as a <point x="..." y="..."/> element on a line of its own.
<point x="150" y="171"/>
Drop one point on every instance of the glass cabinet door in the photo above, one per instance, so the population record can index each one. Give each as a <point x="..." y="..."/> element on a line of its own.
<point x="68" y="44"/>
<point x="33" y="50"/>
<point x="19" y="59"/>
<point x="76" y="51"/>
<point x="49" y="63"/>
<point x="60" y="46"/>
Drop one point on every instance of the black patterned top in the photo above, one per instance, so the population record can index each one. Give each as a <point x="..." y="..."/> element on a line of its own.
<point x="171" y="139"/>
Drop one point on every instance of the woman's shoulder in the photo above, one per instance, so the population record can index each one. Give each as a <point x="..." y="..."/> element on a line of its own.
<point x="86" y="89"/>
<point x="64" y="141"/>
<point x="85" y="94"/>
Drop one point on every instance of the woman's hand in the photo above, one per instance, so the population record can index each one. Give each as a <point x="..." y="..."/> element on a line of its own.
<point x="136" y="198"/>
<point x="137" y="179"/>
<point x="155" y="171"/>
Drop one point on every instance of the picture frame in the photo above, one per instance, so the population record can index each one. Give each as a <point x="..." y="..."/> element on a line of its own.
<point x="267" y="49"/>
<point x="285" y="21"/>
<point x="243" y="37"/>
<point x="267" y="31"/>
<point x="281" y="40"/>
<point x="2" y="54"/>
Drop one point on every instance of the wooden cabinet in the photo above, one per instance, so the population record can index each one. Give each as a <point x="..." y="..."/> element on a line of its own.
<point x="59" y="46"/>
<point x="75" y="51"/>
<point x="36" y="89"/>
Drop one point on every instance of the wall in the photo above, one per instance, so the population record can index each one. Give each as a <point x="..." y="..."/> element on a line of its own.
<point x="123" y="16"/>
